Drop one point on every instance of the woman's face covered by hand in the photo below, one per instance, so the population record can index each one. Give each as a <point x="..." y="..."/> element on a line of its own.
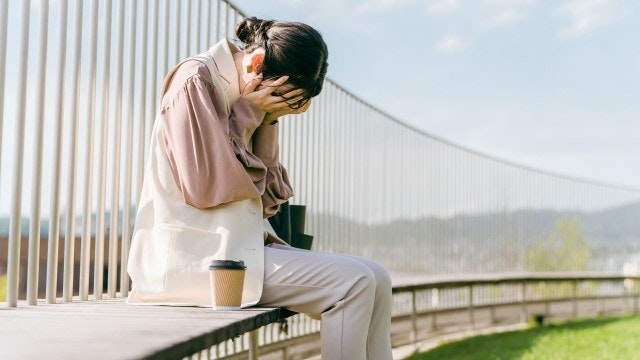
<point x="275" y="95"/>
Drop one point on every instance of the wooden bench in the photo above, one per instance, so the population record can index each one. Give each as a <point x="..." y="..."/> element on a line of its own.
<point x="111" y="329"/>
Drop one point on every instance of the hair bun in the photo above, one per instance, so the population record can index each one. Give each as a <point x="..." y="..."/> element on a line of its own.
<point x="253" y="30"/>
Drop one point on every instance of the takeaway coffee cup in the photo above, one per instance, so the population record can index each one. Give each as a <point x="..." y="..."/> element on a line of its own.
<point x="227" y="280"/>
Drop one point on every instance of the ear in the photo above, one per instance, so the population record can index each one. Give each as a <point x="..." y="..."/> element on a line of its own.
<point x="256" y="64"/>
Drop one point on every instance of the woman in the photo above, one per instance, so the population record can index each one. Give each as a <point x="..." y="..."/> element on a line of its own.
<point x="214" y="175"/>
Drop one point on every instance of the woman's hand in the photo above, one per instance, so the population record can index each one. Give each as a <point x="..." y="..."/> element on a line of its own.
<point x="271" y="117"/>
<point x="271" y="100"/>
<point x="270" y="238"/>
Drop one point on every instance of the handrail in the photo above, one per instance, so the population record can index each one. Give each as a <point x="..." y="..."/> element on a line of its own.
<point x="509" y="278"/>
<point x="416" y="319"/>
<point x="629" y="286"/>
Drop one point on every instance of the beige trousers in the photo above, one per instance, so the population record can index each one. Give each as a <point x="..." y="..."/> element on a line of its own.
<point x="351" y="295"/>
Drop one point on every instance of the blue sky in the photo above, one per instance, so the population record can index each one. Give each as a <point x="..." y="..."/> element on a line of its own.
<point x="550" y="84"/>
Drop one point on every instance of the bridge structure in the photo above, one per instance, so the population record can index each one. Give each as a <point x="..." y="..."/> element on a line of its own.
<point x="79" y="84"/>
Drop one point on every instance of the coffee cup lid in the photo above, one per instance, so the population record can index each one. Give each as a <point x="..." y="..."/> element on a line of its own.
<point x="228" y="264"/>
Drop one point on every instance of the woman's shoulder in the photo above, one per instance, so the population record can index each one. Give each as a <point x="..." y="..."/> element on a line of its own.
<point x="190" y="68"/>
<point x="188" y="72"/>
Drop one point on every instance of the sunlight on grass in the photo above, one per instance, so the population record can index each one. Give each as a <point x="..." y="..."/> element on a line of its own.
<point x="612" y="338"/>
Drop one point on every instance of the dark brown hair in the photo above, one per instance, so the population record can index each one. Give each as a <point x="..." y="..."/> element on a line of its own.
<point x="291" y="48"/>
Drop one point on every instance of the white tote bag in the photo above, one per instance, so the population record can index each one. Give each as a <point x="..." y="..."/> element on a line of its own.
<point x="169" y="263"/>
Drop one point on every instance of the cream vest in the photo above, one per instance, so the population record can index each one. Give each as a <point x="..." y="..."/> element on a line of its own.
<point x="173" y="242"/>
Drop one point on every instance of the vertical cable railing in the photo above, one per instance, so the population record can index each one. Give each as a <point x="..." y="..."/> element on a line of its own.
<point x="373" y="186"/>
<point x="144" y="59"/>
<point x="54" y="203"/>
<point x="89" y="117"/>
<point x="98" y="267"/>
<point x="126" y="203"/>
<point x="70" y="215"/>
<point x="34" y="228"/>
<point x="13" y="252"/>
<point x="116" y="156"/>
<point x="4" y="15"/>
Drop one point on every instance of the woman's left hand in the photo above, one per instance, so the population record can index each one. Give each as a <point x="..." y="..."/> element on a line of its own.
<point x="271" y="100"/>
<point x="271" y="117"/>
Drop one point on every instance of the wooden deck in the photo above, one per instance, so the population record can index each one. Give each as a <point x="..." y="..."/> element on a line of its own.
<point x="111" y="329"/>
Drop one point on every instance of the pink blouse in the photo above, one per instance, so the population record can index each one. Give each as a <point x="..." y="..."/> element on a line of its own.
<point x="215" y="156"/>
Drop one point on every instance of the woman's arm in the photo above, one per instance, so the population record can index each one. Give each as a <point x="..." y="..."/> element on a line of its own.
<point x="277" y="186"/>
<point x="197" y="144"/>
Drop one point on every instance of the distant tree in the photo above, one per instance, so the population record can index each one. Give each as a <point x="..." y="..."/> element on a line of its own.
<point x="564" y="248"/>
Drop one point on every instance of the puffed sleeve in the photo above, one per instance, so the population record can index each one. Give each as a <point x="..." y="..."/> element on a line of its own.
<point x="202" y="160"/>
<point x="277" y="186"/>
<point x="261" y="162"/>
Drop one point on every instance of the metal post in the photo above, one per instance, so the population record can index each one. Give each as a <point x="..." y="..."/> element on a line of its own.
<point x="546" y="308"/>
<point x="637" y="298"/>
<point x="98" y="263"/>
<point x="13" y="264"/>
<point x="574" y="296"/>
<point x="54" y="206"/>
<point x="187" y="30"/>
<point x="523" y="306"/>
<point x="142" y="102"/>
<point x="599" y="307"/>
<point x="493" y="315"/>
<point x="128" y="163"/>
<point x="196" y="48"/>
<point x="85" y="245"/>
<point x="253" y="345"/>
<point x="226" y="19"/>
<point x="434" y="303"/>
<point x="414" y="318"/>
<point x="153" y="61"/>
<point x="217" y="22"/>
<point x="34" y="233"/>
<point x="178" y="18"/>
<point x="4" y="19"/>
<point x="115" y="174"/>
<point x="471" y="309"/>
<point x="70" y="235"/>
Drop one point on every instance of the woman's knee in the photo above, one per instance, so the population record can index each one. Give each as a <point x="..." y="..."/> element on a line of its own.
<point x="380" y="273"/>
<point x="383" y="278"/>
<point x="366" y="278"/>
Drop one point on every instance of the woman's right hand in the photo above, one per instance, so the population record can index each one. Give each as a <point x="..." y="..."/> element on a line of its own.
<point x="271" y="117"/>
<point x="273" y="105"/>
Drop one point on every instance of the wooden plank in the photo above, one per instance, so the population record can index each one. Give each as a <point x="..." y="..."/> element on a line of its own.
<point x="111" y="329"/>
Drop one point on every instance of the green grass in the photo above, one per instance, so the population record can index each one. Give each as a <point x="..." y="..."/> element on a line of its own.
<point x="610" y="338"/>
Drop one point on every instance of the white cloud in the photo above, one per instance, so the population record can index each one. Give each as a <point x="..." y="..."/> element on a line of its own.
<point x="506" y="12"/>
<point x="586" y="15"/>
<point x="510" y="3"/>
<point x="443" y="7"/>
<point x="452" y="44"/>
<point x="505" y="17"/>
<point x="379" y="5"/>
<point x="293" y="2"/>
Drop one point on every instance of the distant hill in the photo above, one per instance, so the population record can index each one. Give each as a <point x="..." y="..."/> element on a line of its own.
<point x="465" y="243"/>
<point x="619" y="225"/>
<point x="615" y="226"/>
<point x="44" y="224"/>
<point x="490" y="242"/>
